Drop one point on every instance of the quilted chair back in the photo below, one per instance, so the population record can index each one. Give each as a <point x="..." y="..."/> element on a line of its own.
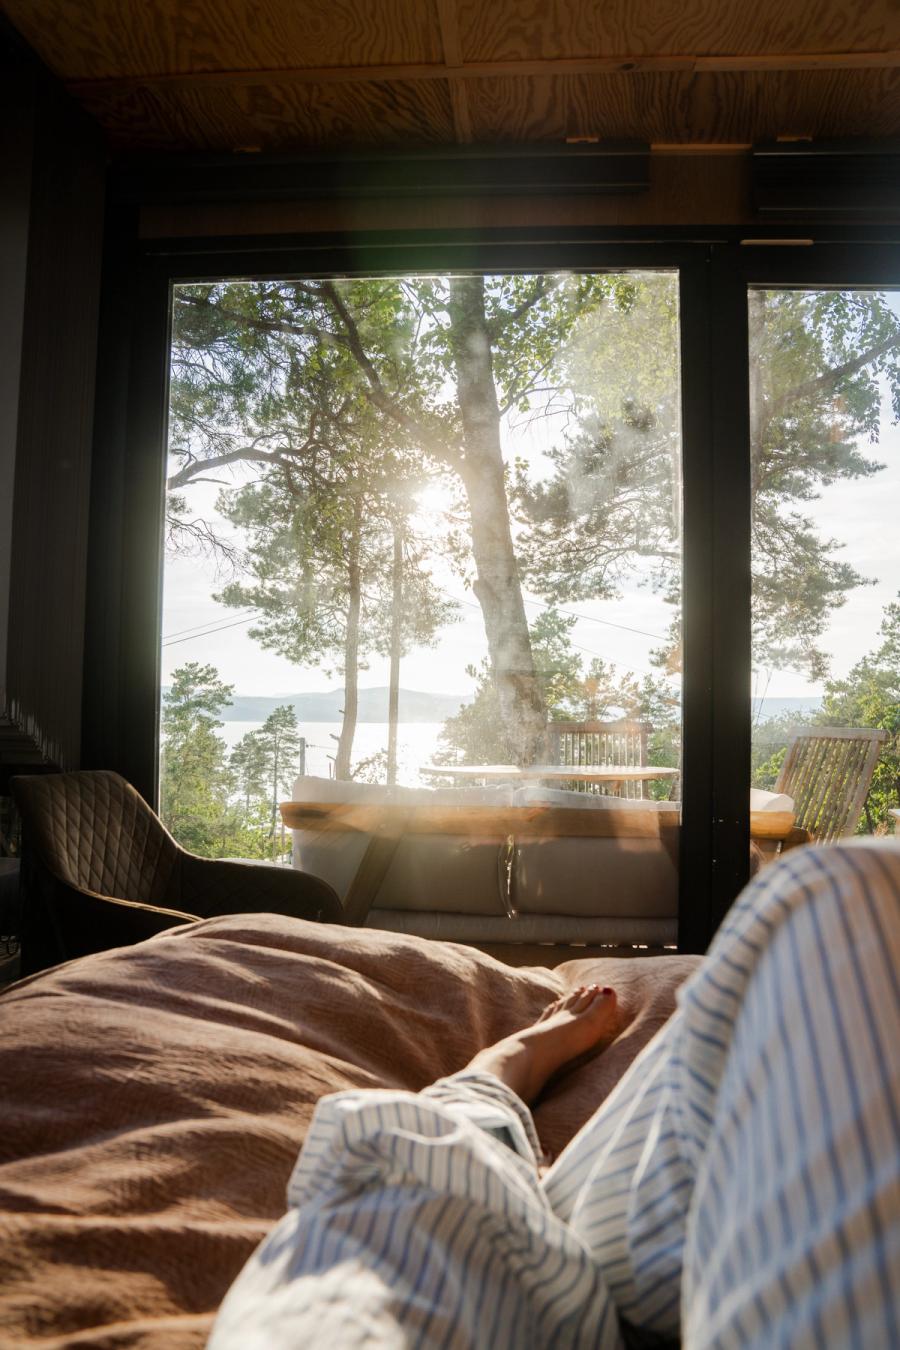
<point x="93" y="831"/>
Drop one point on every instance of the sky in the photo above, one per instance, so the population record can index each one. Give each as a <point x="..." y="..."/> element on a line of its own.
<point x="863" y="515"/>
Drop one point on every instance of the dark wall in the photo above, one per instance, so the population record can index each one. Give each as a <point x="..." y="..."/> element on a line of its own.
<point x="51" y="246"/>
<point x="16" y="147"/>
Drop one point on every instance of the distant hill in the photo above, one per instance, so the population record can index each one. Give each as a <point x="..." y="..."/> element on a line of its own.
<point x="415" y="706"/>
<point x="418" y="706"/>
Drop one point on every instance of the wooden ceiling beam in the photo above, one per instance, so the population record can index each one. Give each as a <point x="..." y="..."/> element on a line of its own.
<point x="448" y="17"/>
<point x="486" y="70"/>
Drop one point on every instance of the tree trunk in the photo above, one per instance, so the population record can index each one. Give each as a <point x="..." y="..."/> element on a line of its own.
<point x="396" y="639"/>
<point x="351" y="650"/>
<point x="497" y="586"/>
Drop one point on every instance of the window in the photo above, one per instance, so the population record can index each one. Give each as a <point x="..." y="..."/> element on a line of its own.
<point x="422" y="533"/>
<point x="825" y="400"/>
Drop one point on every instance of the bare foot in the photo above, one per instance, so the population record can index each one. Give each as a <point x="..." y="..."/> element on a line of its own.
<point x="564" y="1030"/>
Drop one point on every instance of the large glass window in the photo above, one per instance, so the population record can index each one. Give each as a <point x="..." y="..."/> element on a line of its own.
<point x="825" y="401"/>
<point x="422" y="533"/>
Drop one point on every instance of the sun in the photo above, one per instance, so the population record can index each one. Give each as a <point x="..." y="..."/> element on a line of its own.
<point x="436" y="504"/>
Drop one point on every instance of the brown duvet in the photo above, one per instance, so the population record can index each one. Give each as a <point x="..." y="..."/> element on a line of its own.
<point x="155" y="1098"/>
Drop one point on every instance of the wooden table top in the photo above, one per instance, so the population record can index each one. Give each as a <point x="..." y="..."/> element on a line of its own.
<point x="593" y="773"/>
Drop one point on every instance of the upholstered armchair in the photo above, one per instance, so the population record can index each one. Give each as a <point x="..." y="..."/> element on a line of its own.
<point x="100" y="870"/>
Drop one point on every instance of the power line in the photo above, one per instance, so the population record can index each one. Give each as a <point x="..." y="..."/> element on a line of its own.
<point x="193" y="637"/>
<point x="196" y="628"/>
<point x="639" y="670"/>
<point x="588" y="618"/>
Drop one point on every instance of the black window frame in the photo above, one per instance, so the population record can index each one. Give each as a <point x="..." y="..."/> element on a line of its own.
<point x="122" y="648"/>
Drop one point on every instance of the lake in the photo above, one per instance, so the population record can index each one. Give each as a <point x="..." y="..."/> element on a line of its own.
<point x="416" y="744"/>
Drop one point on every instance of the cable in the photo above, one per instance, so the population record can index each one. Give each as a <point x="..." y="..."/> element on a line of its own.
<point x="473" y="604"/>
<point x="608" y="623"/>
<point x="195" y="628"/>
<point x="195" y="636"/>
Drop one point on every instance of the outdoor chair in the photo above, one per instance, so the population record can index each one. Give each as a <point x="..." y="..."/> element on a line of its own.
<point x="582" y="744"/>
<point x="828" y="771"/>
<point x="100" y="870"/>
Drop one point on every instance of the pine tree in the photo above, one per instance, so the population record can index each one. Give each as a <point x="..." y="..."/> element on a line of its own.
<point x="195" y="781"/>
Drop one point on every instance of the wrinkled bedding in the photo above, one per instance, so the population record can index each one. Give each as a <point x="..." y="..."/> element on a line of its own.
<point x="155" y="1099"/>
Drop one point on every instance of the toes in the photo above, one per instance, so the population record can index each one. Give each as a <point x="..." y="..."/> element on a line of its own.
<point x="556" y="1006"/>
<point x="594" y="999"/>
<point x="578" y="1000"/>
<point x="581" y="998"/>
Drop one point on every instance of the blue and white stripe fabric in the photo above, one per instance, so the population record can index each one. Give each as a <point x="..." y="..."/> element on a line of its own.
<point x="741" y="1187"/>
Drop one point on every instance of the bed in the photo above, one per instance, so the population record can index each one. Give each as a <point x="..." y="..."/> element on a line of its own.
<point x="156" y="1096"/>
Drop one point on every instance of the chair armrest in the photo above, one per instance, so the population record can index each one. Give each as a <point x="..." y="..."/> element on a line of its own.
<point x="61" y="922"/>
<point x="211" y="886"/>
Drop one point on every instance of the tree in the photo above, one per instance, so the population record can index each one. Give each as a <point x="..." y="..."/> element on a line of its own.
<point x="612" y="499"/>
<point x="321" y="562"/>
<point x="195" y="781"/>
<point x="869" y="696"/>
<point x="395" y="348"/>
<point x="817" y="362"/>
<point x="334" y="490"/>
<point x="476" y="734"/>
<point x="279" y="740"/>
<point x="247" y="763"/>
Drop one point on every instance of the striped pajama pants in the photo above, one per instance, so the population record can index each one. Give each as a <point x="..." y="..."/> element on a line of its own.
<point x="740" y="1187"/>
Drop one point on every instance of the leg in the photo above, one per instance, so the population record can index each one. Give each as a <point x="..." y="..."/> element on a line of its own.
<point x="741" y="1183"/>
<point x="412" y="1223"/>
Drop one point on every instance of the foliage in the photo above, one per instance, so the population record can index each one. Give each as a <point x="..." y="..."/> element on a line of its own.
<point x="217" y="805"/>
<point x="195" y="781"/>
<point x="768" y="744"/>
<point x="475" y="735"/>
<point x="351" y="397"/>
<point x="279" y="740"/>
<point x="817" y="360"/>
<point x="869" y="696"/>
<point x="345" y="390"/>
<point x="249" y="769"/>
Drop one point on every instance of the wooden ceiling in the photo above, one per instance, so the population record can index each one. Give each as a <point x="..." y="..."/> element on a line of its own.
<point x="289" y="75"/>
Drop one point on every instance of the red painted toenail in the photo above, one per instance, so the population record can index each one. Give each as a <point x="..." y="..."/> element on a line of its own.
<point x="606" y="991"/>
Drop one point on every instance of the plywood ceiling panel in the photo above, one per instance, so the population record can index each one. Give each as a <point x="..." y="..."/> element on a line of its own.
<point x="679" y="107"/>
<point x="99" y="39"/>
<point x="518" y="30"/>
<point x="670" y="108"/>
<point x="276" y="118"/>
<point x="284" y="75"/>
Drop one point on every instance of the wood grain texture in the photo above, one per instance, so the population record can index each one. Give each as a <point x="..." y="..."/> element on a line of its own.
<point x="677" y="107"/>
<point x="276" y="118"/>
<point x="95" y="39"/>
<point x="459" y="99"/>
<point x="528" y="29"/>
<point x="672" y="108"/>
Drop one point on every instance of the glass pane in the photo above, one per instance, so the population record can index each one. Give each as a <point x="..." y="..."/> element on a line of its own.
<point x="413" y="526"/>
<point x="825" y="399"/>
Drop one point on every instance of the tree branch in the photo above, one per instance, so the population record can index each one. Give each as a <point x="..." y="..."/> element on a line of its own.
<point x="501" y="322"/>
<point x="260" y="325"/>
<point x="377" y="392"/>
<point x="831" y="378"/>
<point x="196" y="466"/>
